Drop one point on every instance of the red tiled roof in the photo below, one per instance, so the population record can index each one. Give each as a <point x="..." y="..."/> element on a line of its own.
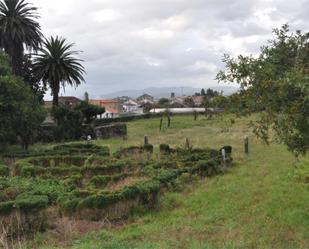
<point x="112" y="110"/>
<point x="104" y="101"/>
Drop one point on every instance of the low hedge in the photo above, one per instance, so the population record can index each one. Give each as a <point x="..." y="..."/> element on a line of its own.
<point x="62" y="150"/>
<point x="103" y="181"/>
<point x="72" y="193"/>
<point x="127" y="152"/>
<point x="4" y="170"/>
<point x="144" y="191"/>
<point x="28" y="194"/>
<point x="42" y="166"/>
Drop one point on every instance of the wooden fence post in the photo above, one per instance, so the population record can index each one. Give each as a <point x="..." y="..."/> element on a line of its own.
<point x="188" y="147"/>
<point x="146" y="140"/>
<point x="195" y="115"/>
<point x="161" y="122"/>
<point x="246" y="145"/>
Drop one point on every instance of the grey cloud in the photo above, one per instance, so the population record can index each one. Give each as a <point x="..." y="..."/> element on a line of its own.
<point x="132" y="44"/>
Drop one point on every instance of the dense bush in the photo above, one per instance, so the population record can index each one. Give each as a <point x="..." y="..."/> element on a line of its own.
<point x="4" y="170"/>
<point x="165" y="149"/>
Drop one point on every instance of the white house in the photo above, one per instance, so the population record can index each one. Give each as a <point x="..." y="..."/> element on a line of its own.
<point x="131" y="106"/>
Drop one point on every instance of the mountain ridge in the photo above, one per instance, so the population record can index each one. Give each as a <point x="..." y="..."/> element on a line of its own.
<point x="161" y="92"/>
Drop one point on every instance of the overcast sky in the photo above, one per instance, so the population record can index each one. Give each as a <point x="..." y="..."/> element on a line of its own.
<point x="135" y="44"/>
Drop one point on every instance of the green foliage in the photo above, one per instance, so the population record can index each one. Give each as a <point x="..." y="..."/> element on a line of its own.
<point x="148" y="148"/>
<point x="30" y="202"/>
<point x="133" y="150"/>
<point x="18" y="29"/>
<point x="4" y="170"/>
<point x="103" y="181"/>
<point x="71" y="120"/>
<point x="28" y="194"/>
<point x="73" y="149"/>
<point x="301" y="172"/>
<point x="89" y="111"/>
<point x="163" y="102"/>
<point x="5" y="67"/>
<point x="276" y="82"/>
<point x="18" y="108"/>
<point x="220" y="101"/>
<point x="165" y="148"/>
<point x="69" y="123"/>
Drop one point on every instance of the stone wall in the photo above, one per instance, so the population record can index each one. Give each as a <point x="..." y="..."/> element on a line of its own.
<point x="111" y="131"/>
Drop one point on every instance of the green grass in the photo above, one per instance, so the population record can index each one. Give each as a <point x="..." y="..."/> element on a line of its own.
<point x="257" y="204"/>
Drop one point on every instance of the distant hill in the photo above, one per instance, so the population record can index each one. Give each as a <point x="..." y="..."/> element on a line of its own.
<point x="166" y="91"/>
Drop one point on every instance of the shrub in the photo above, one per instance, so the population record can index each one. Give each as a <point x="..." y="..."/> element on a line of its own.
<point x="6" y="207"/>
<point x="165" y="149"/>
<point x="27" y="202"/>
<point x="32" y="171"/>
<point x="4" y="170"/>
<point x="148" y="148"/>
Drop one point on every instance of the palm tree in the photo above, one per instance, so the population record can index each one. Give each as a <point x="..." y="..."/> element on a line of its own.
<point x="18" y="30"/>
<point x="56" y="66"/>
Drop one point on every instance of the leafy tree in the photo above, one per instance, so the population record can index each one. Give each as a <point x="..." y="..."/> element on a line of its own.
<point x="163" y="102"/>
<point x="220" y="101"/>
<point x="21" y="114"/>
<point x="210" y="93"/>
<point x="89" y="111"/>
<point x="69" y="123"/>
<point x="18" y="30"/>
<point x="72" y="121"/>
<point x="203" y="93"/>
<point x="276" y="82"/>
<point x="56" y="66"/>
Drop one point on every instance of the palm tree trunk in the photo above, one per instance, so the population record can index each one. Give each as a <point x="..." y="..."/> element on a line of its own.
<point x="55" y="92"/>
<point x="16" y="52"/>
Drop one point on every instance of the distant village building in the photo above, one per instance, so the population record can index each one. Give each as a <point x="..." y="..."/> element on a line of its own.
<point x="177" y="101"/>
<point x="187" y="110"/>
<point x="145" y="98"/>
<point x="132" y="106"/>
<point x="113" y="108"/>
<point x="198" y="100"/>
<point x="123" y="99"/>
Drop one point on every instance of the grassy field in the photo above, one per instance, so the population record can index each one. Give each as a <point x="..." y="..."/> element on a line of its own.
<point x="256" y="204"/>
